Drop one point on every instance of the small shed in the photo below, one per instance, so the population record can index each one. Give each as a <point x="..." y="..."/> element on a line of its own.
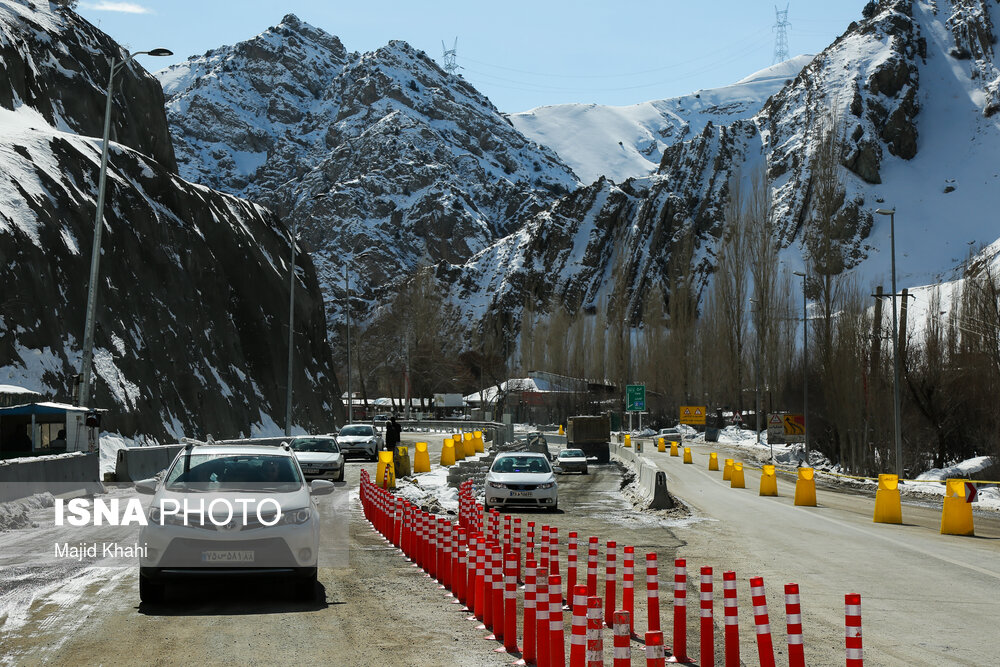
<point x="34" y="428"/>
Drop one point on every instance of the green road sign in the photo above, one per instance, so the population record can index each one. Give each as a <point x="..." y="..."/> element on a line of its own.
<point x="635" y="398"/>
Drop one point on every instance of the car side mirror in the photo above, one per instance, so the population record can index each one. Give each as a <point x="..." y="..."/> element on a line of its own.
<point x="146" y="486"/>
<point x="321" y="487"/>
<point x="557" y="469"/>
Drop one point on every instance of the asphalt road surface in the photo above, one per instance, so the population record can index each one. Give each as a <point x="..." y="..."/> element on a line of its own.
<point x="926" y="598"/>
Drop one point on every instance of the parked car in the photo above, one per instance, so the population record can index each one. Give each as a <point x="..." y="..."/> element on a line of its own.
<point x="319" y="457"/>
<point x="521" y="478"/>
<point x="257" y="517"/>
<point x="572" y="460"/>
<point x="363" y="439"/>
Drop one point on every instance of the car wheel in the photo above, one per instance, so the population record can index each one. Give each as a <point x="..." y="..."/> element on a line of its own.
<point x="305" y="588"/>
<point x="340" y="475"/>
<point x="151" y="592"/>
<point x="373" y="457"/>
<point x="586" y="472"/>
<point x="554" y="508"/>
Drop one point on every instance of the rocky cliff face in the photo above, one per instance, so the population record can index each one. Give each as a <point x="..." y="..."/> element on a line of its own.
<point x="384" y="161"/>
<point x="191" y="333"/>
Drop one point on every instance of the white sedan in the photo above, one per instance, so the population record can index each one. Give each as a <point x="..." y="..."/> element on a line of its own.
<point x="319" y="456"/>
<point x="521" y="478"/>
<point x="572" y="460"/>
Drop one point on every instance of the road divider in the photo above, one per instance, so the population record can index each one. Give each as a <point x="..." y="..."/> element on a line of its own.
<point x="805" y="488"/>
<point x="476" y="562"/>
<point x="713" y="461"/>
<point x="888" y="506"/>
<point x="737" y="481"/>
<point x="956" y="514"/>
<point x="768" y="481"/>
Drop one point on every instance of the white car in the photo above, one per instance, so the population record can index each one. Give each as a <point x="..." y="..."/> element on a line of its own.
<point x="672" y="434"/>
<point x="521" y="478"/>
<point x="361" y="439"/>
<point x="319" y="456"/>
<point x="240" y="510"/>
<point x="572" y="460"/>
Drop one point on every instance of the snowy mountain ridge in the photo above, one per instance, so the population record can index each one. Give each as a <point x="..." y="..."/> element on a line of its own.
<point x="628" y="141"/>
<point x="380" y="152"/>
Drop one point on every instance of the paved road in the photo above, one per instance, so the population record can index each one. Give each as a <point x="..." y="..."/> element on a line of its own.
<point x="927" y="598"/>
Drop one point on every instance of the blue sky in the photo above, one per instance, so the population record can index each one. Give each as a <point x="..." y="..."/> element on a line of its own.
<point x="521" y="54"/>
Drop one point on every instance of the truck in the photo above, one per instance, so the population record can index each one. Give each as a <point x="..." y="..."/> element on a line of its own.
<point x="592" y="434"/>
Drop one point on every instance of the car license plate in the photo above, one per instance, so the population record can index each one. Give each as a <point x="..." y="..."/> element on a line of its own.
<point x="227" y="556"/>
<point x="521" y="494"/>
<point x="310" y="471"/>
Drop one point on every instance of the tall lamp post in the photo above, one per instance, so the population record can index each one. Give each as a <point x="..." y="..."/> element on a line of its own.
<point x="805" y="362"/>
<point x="95" y="253"/>
<point x="897" y="419"/>
<point x="350" y="396"/>
<point x="291" y="330"/>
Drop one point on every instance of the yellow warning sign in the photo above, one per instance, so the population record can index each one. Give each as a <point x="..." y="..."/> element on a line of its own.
<point x="693" y="414"/>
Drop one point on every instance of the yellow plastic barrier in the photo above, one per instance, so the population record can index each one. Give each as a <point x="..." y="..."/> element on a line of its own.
<point x="448" y="453"/>
<point x="401" y="461"/>
<point x="459" y="450"/>
<point x="956" y="516"/>
<point x="713" y="461"/>
<point x="888" y="508"/>
<point x="768" y="481"/>
<point x="421" y="458"/>
<point x="628" y="440"/>
<point x="477" y="442"/>
<point x="385" y="459"/>
<point x="468" y="445"/>
<point x="737" y="481"/>
<point x="673" y="448"/>
<point x="661" y="445"/>
<point x="687" y="455"/>
<point x="805" y="488"/>
<point x="727" y="470"/>
<point x="561" y="431"/>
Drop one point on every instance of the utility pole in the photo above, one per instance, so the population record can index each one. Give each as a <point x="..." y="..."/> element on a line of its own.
<point x="350" y="396"/>
<point x="781" y="35"/>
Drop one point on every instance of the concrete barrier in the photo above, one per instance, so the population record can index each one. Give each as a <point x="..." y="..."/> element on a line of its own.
<point x="135" y="463"/>
<point x="71" y="474"/>
<point x="651" y="482"/>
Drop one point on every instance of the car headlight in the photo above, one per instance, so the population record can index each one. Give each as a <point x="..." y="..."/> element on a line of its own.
<point x="497" y="485"/>
<point x="547" y="485"/>
<point x="157" y="517"/>
<point x="296" y="517"/>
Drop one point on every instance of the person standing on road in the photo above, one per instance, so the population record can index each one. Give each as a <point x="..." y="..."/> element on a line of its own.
<point x="392" y="431"/>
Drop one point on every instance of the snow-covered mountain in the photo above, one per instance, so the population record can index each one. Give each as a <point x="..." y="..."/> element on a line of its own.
<point x="913" y="91"/>
<point x="193" y="298"/>
<point x="385" y="162"/>
<point x="628" y="142"/>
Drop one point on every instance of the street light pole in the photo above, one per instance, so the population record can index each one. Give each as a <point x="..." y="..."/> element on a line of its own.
<point x="291" y="332"/>
<point x="350" y="396"/>
<point x="95" y="252"/>
<point x="897" y="418"/>
<point x="805" y="362"/>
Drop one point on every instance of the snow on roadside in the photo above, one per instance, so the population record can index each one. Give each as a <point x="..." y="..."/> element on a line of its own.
<point x="16" y="513"/>
<point x="431" y="489"/>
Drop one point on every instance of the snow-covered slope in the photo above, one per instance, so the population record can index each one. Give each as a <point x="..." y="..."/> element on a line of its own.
<point x="917" y="120"/>
<point x="628" y="141"/>
<point x="193" y="283"/>
<point x="380" y="152"/>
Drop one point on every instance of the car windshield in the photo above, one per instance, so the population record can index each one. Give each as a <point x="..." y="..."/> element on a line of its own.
<point x="356" y="430"/>
<point x="229" y="472"/>
<point x="571" y="454"/>
<point x="521" y="464"/>
<point x="315" y="445"/>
